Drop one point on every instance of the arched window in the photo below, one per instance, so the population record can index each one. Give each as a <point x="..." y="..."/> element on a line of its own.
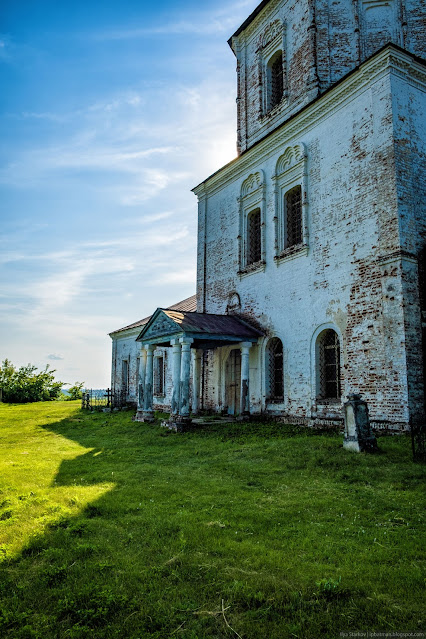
<point x="275" y="370"/>
<point x="328" y="365"/>
<point x="275" y="80"/>
<point x="293" y="217"/>
<point x="254" y="237"/>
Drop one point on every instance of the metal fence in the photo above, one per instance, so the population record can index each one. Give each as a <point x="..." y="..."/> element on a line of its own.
<point x="95" y="400"/>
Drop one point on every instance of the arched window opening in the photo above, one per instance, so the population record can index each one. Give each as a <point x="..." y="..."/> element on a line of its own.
<point x="329" y="365"/>
<point x="275" y="80"/>
<point x="254" y="241"/>
<point x="293" y="217"/>
<point x="275" y="370"/>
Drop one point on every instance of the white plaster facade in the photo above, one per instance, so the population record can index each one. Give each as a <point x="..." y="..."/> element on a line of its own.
<point x="348" y="134"/>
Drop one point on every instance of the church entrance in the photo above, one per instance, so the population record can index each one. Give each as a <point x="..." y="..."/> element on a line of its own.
<point x="233" y="382"/>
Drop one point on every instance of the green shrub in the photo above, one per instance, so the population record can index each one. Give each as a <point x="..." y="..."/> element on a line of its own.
<point x="27" y="384"/>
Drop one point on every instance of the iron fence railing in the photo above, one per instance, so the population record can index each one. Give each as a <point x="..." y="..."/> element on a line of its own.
<point x="93" y="400"/>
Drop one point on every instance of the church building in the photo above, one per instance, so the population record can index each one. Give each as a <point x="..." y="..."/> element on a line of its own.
<point x="311" y="243"/>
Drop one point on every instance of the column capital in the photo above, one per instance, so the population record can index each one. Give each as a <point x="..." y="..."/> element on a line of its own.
<point x="186" y="341"/>
<point x="174" y="342"/>
<point x="150" y="348"/>
<point x="246" y="345"/>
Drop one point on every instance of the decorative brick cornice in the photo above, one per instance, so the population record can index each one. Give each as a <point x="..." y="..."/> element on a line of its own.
<point x="390" y="61"/>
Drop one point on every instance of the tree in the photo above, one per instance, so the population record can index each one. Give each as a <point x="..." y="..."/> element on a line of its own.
<point x="27" y="384"/>
<point x="75" y="392"/>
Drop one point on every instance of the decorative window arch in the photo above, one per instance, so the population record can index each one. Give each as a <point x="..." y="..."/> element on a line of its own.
<point x="251" y="238"/>
<point x="291" y="203"/>
<point x="272" y="70"/>
<point x="275" y="370"/>
<point x="328" y="375"/>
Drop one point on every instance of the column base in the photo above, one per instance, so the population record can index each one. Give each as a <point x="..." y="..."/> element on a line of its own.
<point x="147" y="416"/>
<point x="180" y="423"/>
<point x="139" y="416"/>
<point x="243" y="418"/>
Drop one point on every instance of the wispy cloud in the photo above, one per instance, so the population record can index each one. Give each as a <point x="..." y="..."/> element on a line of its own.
<point x="54" y="357"/>
<point x="221" y="20"/>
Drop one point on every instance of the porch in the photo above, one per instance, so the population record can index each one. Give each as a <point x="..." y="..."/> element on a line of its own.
<point x="189" y="334"/>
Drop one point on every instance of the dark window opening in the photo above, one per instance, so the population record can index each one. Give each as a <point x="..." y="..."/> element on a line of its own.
<point x="159" y="376"/>
<point x="293" y="217"/>
<point x="329" y="365"/>
<point x="125" y="376"/>
<point x="275" y="372"/>
<point x="276" y="80"/>
<point x="254" y="241"/>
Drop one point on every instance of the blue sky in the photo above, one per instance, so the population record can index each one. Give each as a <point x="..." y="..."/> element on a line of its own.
<point x="110" y="113"/>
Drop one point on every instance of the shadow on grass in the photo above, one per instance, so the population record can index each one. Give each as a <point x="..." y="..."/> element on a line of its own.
<point x="194" y="523"/>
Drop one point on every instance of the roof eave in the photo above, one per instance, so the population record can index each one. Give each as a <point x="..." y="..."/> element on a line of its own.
<point x="249" y="20"/>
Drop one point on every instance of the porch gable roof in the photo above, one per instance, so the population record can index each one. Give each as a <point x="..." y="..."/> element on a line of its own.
<point x="207" y="330"/>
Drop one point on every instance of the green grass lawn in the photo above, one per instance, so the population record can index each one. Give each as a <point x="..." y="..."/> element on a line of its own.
<point x="113" y="528"/>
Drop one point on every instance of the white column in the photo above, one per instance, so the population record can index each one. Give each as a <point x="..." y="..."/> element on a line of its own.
<point x="176" y="363"/>
<point x="196" y="376"/>
<point x="148" y="412"/>
<point x="141" y="381"/>
<point x="184" y="376"/>
<point x="245" y="373"/>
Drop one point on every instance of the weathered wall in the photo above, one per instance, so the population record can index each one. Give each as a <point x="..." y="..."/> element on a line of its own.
<point x="353" y="278"/>
<point x="124" y="347"/>
<point x="322" y="41"/>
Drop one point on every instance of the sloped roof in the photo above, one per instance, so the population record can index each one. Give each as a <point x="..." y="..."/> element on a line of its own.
<point x="207" y="330"/>
<point x="188" y="304"/>
<point x="214" y="324"/>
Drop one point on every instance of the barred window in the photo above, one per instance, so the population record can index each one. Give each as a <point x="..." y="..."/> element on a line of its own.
<point x="125" y="376"/>
<point x="293" y="217"/>
<point x="159" y="371"/>
<point x="275" y="370"/>
<point x="275" y="80"/>
<point x="254" y="241"/>
<point x="329" y="365"/>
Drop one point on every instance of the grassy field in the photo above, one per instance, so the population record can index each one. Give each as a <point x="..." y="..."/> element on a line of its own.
<point x="116" y="529"/>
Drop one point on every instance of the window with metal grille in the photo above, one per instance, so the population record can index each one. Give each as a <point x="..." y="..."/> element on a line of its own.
<point x="254" y="238"/>
<point x="275" y="370"/>
<point x="275" y="80"/>
<point x="329" y="365"/>
<point x="159" y="376"/>
<point x="125" y="376"/>
<point x="293" y="217"/>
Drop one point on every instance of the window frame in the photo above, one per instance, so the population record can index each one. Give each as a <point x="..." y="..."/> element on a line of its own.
<point x="272" y="398"/>
<point x="320" y="365"/>
<point x="270" y="105"/>
<point x="159" y="374"/>
<point x="125" y="375"/>
<point x="271" y="43"/>
<point x="252" y="198"/>
<point x="290" y="172"/>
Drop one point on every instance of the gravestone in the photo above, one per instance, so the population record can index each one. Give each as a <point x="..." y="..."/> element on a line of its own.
<point x="358" y="434"/>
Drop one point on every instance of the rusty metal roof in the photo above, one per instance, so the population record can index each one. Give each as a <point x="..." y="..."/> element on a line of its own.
<point x="188" y="304"/>
<point x="206" y="330"/>
<point x="212" y="324"/>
